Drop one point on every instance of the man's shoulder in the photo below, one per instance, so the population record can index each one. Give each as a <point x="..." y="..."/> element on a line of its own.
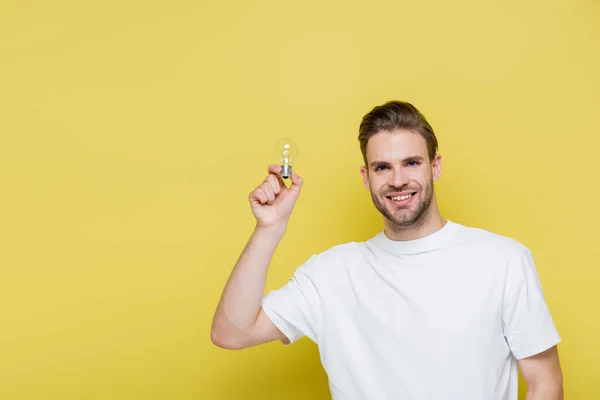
<point x="492" y="242"/>
<point x="337" y="256"/>
<point x="342" y="251"/>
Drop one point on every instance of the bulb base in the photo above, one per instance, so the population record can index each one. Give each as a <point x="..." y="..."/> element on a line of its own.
<point x="286" y="171"/>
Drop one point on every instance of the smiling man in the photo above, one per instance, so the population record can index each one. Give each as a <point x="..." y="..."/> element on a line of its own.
<point x="426" y="309"/>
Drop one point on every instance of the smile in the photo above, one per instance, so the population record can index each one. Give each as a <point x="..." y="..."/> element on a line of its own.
<point x="401" y="200"/>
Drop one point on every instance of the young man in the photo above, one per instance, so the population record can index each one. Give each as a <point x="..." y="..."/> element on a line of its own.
<point x="426" y="309"/>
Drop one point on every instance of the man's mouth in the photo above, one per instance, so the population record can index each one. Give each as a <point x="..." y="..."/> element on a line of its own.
<point x="401" y="199"/>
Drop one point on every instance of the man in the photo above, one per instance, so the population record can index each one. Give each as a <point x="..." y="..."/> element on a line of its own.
<point x="426" y="309"/>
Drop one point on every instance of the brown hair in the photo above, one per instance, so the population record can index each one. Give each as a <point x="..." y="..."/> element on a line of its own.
<point x="396" y="115"/>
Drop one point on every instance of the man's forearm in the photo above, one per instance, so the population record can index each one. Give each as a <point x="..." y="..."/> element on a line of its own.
<point x="244" y="290"/>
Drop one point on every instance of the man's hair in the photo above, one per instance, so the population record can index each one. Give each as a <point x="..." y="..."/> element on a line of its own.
<point x="396" y="115"/>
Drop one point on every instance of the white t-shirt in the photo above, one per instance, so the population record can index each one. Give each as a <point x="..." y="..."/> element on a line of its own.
<point x="446" y="316"/>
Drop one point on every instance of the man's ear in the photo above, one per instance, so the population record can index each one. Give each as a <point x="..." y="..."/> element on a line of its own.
<point x="365" y="175"/>
<point x="436" y="167"/>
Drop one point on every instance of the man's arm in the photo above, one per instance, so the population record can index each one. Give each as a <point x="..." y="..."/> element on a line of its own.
<point x="239" y="321"/>
<point x="543" y="375"/>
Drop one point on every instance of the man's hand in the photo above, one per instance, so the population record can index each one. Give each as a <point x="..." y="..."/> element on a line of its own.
<point x="272" y="202"/>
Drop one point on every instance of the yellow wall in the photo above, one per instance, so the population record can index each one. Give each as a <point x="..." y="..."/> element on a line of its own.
<point x="131" y="133"/>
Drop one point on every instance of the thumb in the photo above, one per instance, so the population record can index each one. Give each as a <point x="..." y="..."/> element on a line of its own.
<point x="297" y="182"/>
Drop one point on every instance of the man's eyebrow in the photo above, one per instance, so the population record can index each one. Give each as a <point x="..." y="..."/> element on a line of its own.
<point x="409" y="158"/>
<point x="413" y="158"/>
<point x="377" y="163"/>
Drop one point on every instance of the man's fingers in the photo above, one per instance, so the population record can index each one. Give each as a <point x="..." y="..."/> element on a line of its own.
<point x="269" y="191"/>
<point x="258" y="196"/>
<point x="275" y="169"/>
<point x="274" y="182"/>
<point x="270" y="188"/>
<point x="297" y="181"/>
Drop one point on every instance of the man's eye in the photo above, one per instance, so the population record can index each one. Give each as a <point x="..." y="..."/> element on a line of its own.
<point x="380" y="167"/>
<point x="412" y="163"/>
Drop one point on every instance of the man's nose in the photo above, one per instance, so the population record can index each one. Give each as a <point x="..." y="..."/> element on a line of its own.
<point x="398" y="178"/>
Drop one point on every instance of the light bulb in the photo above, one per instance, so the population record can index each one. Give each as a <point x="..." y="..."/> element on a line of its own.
<point x="287" y="151"/>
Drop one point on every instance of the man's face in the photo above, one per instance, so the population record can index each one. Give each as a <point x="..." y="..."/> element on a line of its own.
<point x="400" y="176"/>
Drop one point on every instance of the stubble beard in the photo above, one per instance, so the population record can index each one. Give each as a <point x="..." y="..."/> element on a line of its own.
<point x="405" y="218"/>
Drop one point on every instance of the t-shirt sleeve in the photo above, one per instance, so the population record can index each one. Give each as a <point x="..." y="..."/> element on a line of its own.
<point x="295" y="308"/>
<point x="528" y="325"/>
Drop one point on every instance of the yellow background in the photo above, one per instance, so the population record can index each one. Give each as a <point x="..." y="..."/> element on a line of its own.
<point x="133" y="131"/>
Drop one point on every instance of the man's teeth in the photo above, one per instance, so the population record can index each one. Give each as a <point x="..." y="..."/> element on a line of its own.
<point x="400" y="198"/>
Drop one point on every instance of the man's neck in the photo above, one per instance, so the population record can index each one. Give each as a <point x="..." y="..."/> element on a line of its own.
<point x="431" y="223"/>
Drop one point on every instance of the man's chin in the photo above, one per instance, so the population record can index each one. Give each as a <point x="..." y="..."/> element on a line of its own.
<point x="404" y="216"/>
<point x="405" y="223"/>
<point x="401" y="212"/>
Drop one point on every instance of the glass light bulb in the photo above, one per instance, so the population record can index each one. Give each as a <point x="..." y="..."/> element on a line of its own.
<point x="287" y="152"/>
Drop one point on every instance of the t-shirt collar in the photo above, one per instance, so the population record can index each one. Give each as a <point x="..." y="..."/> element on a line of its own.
<point x="427" y="243"/>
